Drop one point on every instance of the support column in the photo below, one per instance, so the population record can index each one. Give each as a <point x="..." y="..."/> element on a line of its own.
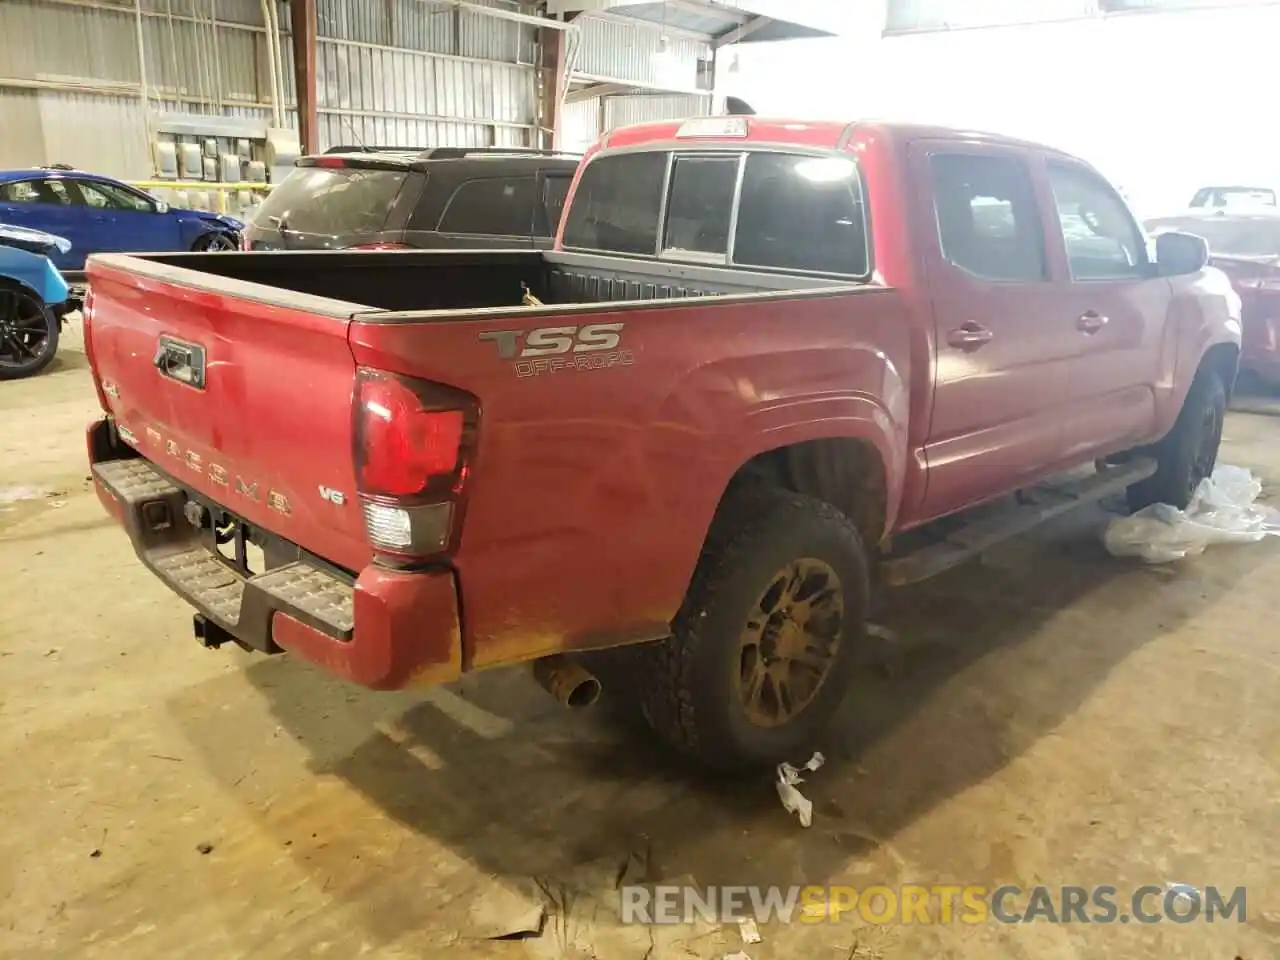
<point x="304" y="67"/>
<point x="553" y="83"/>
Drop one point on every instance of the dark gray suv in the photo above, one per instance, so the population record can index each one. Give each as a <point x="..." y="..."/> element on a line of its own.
<point x="444" y="197"/>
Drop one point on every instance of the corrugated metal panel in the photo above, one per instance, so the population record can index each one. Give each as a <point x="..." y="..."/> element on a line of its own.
<point x="195" y="60"/>
<point x="359" y="20"/>
<point x="23" y="142"/>
<point x="103" y="134"/>
<point x="375" y="79"/>
<point x="491" y="38"/>
<point x="411" y="132"/>
<point x="580" y="124"/>
<point x="407" y="97"/>
<point x="247" y="12"/>
<point x="423" y="26"/>
<point x="704" y="20"/>
<point x="904" y="16"/>
<point x="431" y="27"/>
<point x="621" y="111"/>
<point x="62" y="42"/>
<point x="40" y="40"/>
<point x="633" y="52"/>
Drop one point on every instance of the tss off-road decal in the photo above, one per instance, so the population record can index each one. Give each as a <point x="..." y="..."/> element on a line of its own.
<point x="593" y="346"/>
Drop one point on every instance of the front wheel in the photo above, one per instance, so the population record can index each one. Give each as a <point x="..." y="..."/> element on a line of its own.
<point x="1190" y="451"/>
<point x="28" y="332"/>
<point x="215" y="243"/>
<point x="763" y="647"/>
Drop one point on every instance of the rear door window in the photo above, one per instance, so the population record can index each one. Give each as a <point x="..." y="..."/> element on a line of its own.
<point x="53" y="192"/>
<point x="332" y="200"/>
<point x="988" y="216"/>
<point x="802" y="213"/>
<point x="618" y="204"/>
<point x="493" y="206"/>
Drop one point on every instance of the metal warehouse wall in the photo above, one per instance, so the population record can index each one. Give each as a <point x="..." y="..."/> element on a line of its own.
<point x="663" y="66"/>
<point x="390" y="71"/>
<point x="404" y="72"/>
<point x="70" y="76"/>
<point x="581" y="123"/>
<point x="635" y="53"/>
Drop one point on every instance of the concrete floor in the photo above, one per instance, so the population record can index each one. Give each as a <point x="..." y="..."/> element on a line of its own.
<point x="1061" y="718"/>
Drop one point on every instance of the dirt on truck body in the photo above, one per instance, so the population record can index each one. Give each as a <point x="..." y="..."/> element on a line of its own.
<point x="767" y="357"/>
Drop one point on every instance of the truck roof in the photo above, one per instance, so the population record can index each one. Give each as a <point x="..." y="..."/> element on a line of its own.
<point x="821" y="134"/>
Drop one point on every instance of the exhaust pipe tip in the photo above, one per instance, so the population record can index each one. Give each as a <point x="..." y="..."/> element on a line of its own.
<point x="567" y="680"/>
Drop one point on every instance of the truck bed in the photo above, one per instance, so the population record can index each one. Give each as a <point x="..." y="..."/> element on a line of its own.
<point x="457" y="280"/>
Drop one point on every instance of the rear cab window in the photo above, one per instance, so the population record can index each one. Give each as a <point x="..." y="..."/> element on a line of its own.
<point x="758" y="209"/>
<point x="332" y="200"/>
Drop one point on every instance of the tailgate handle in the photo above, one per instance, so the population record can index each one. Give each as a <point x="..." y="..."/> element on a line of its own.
<point x="180" y="361"/>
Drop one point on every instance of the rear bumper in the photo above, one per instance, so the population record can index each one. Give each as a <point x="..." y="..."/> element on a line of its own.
<point x="385" y="630"/>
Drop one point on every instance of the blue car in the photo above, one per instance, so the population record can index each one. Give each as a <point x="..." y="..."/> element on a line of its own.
<point x="101" y="215"/>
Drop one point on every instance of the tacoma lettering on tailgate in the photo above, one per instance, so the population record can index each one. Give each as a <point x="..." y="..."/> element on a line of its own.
<point x="219" y="474"/>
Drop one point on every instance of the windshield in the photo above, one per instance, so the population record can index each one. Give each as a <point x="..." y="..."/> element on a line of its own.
<point x="331" y="200"/>
<point x="1258" y="237"/>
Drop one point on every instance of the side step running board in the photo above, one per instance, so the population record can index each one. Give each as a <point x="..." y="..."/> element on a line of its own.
<point x="1035" y="506"/>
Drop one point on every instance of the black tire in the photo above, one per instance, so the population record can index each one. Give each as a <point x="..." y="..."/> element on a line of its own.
<point x="28" y="332"/>
<point x="1188" y="454"/>
<point x="215" y="242"/>
<point x="689" y="686"/>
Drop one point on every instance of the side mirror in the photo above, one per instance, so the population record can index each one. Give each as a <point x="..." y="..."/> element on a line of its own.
<point x="161" y="207"/>
<point x="1178" y="254"/>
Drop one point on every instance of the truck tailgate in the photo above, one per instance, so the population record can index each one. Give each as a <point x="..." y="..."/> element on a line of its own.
<point x="237" y="391"/>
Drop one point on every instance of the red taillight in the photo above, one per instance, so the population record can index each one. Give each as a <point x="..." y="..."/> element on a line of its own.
<point x="328" y="162"/>
<point x="404" y="446"/>
<point x="412" y="444"/>
<point x="380" y="246"/>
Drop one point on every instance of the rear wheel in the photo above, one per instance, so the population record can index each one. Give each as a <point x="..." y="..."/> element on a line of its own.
<point x="763" y="647"/>
<point x="1190" y="451"/>
<point x="28" y="332"/>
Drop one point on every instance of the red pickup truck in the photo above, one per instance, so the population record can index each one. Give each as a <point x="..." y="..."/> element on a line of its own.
<point x="763" y="357"/>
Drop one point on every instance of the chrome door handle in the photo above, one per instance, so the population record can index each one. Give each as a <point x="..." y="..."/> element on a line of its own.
<point x="1090" y="322"/>
<point x="970" y="336"/>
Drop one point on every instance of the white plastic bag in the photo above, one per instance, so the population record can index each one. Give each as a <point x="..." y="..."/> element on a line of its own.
<point x="792" y="799"/>
<point x="1223" y="510"/>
